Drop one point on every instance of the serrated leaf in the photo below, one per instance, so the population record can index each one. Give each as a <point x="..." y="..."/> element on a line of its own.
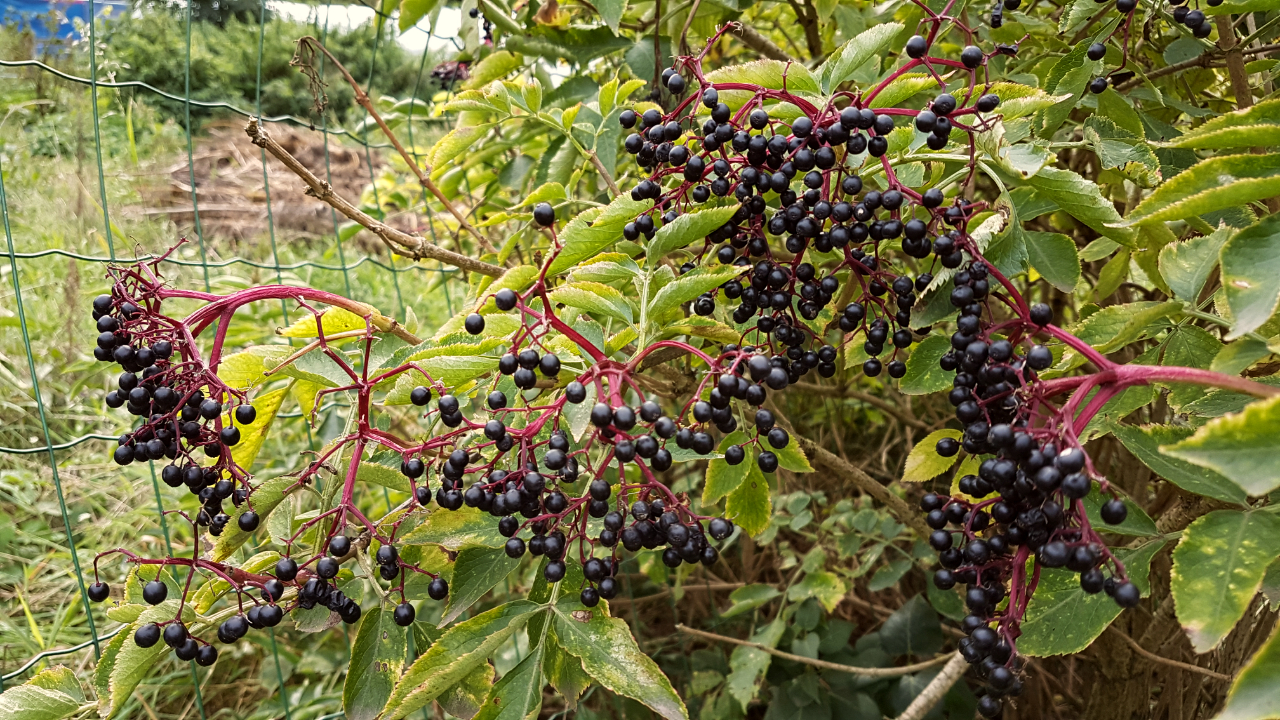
<point x="518" y="695"/>
<point x="451" y="529"/>
<point x="750" y="597"/>
<point x="246" y="369"/>
<point x="1217" y="569"/>
<point x="923" y="462"/>
<point x="1251" y="274"/>
<point x="593" y="230"/>
<point x="253" y="435"/>
<point x="377" y="657"/>
<point x="1017" y="100"/>
<point x="750" y="506"/>
<point x="451" y="370"/>
<point x="748" y="665"/>
<point x="723" y="478"/>
<point x="32" y="701"/>
<point x="334" y="320"/>
<point x="870" y="43"/>
<point x="1253" y="695"/>
<point x="1215" y="184"/>
<point x="1144" y="442"/>
<point x="1186" y="265"/>
<point x="549" y="192"/>
<point x="593" y="297"/>
<point x="1082" y="199"/>
<point x="1054" y="256"/>
<point x="826" y="587"/>
<point x="1253" y="126"/>
<point x="476" y="571"/>
<point x="1111" y="328"/>
<point x="453" y="144"/>
<point x="610" y="655"/>
<point x="1062" y="619"/>
<point x="691" y="285"/>
<point x="1115" y="146"/>
<point x="685" y="229"/>
<point x="611" y="12"/>
<point x="456" y="654"/>
<point x="495" y="65"/>
<point x="1241" y="446"/>
<point x="1137" y="522"/>
<point x="902" y="88"/>
<point x="411" y="11"/>
<point x="924" y="376"/>
<point x="792" y="457"/>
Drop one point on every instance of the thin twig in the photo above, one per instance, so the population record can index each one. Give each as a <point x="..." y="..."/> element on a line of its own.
<point x="863" y="671"/>
<point x="684" y="32"/>
<point x="867" y="398"/>
<point x="936" y="688"/>
<point x="423" y="177"/>
<point x="604" y="173"/>
<point x="1166" y="661"/>
<point x="412" y="246"/>
<point x="761" y="44"/>
<point x="900" y="508"/>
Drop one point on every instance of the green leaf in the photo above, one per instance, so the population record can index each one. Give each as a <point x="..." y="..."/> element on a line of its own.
<point x="1137" y="523"/>
<point x="46" y="696"/>
<point x="611" y="12"/>
<point x="750" y="597"/>
<point x="826" y="587"/>
<point x="686" y="229"/>
<point x="518" y="695"/>
<point x="1218" y="183"/>
<point x="1082" y="199"/>
<point x="495" y="65"/>
<point x="451" y="529"/>
<point x="1062" y="619"/>
<point x="1217" y="569"/>
<point x="456" y="142"/>
<point x="264" y="499"/>
<point x="792" y="457"/>
<point x="870" y="43"/>
<point x="1251" y="274"/>
<point x="1235" y="357"/>
<point x="924" y="376"/>
<point x="123" y="664"/>
<point x="723" y="478"/>
<point x="476" y="571"/>
<point x="1017" y="100"/>
<point x="1258" y="125"/>
<point x="748" y="665"/>
<point x="902" y="88"/>
<point x="1253" y="695"/>
<point x="771" y="74"/>
<point x="254" y="434"/>
<point x="455" y="654"/>
<point x="377" y="657"/>
<point x="247" y="369"/>
<point x="750" y="506"/>
<point x="593" y="230"/>
<point x="375" y="473"/>
<point x="912" y="629"/>
<point x="1186" y="265"/>
<point x="1111" y="328"/>
<point x="411" y="11"/>
<point x="1116" y="146"/>
<point x="1144" y="442"/>
<point x="1054" y="256"/>
<point x="610" y="655"/>
<point x="924" y="462"/>
<point x="1241" y="446"/>
<point x="451" y="370"/>
<point x="691" y="285"/>
<point x="593" y="297"/>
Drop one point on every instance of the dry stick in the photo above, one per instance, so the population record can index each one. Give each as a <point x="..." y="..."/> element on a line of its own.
<point x="864" y="482"/>
<point x="423" y="177"/>
<point x="413" y="246"/>
<point x="1205" y="60"/>
<point x="864" y="671"/>
<point x="604" y="172"/>
<point x="936" y="688"/>
<point x="684" y="32"/>
<point x="1166" y="661"/>
<point x="761" y="44"/>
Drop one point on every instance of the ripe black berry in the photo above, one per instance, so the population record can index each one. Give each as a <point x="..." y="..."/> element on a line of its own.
<point x="544" y="215"/>
<point x="916" y="47"/>
<point x="155" y="592"/>
<point x="404" y="614"/>
<point x="147" y="635"/>
<point x="474" y="323"/>
<point x="99" y="591"/>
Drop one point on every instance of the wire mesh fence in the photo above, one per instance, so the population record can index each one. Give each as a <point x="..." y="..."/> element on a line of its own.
<point x="352" y="269"/>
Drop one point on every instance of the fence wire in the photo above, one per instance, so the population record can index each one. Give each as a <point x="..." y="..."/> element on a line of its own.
<point x="392" y="267"/>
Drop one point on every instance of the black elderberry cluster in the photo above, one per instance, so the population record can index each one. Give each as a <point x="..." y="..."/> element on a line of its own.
<point x="1037" y="485"/>
<point x="177" y="418"/>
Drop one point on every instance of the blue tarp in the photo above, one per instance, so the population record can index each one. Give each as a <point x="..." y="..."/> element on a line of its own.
<point x="35" y="15"/>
